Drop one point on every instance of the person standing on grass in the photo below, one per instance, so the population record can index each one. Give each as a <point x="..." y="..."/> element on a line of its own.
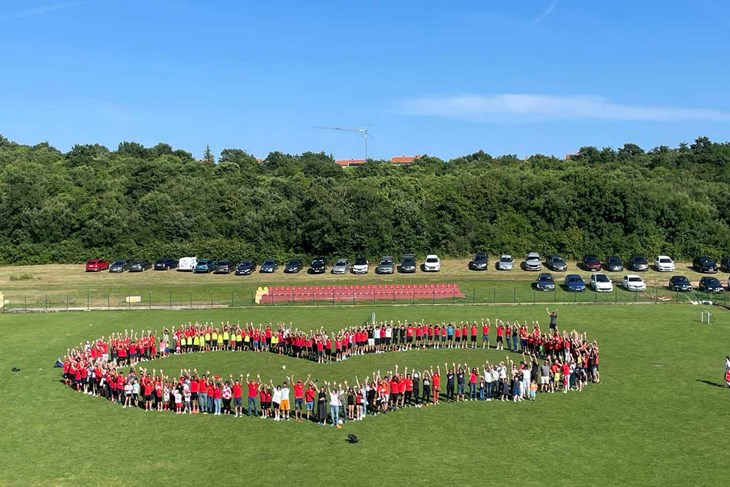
<point x="253" y="393"/>
<point x="553" y="315"/>
<point x="449" y="383"/>
<point x="322" y="406"/>
<point x="284" y="401"/>
<point x="238" y="398"/>
<point x="485" y="334"/>
<point x="334" y="393"/>
<point x="309" y="397"/>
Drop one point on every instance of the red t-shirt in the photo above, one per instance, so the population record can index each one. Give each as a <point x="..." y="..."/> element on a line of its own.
<point x="253" y="389"/>
<point x="309" y="394"/>
<point x="237" y="390"/>
<point x="298" y="391"/>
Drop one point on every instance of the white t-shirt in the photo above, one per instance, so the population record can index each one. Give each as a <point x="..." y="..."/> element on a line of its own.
<point x="284" y="393"/>
<point x="389" y="332"/>
<point x="276" y="396"/>
<point x="334" y="398"/>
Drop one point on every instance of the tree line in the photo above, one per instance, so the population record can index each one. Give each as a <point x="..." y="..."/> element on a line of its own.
<point x="149" y="202"/>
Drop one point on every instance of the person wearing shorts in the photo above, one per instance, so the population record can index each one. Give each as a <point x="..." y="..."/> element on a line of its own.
<point x="284" y="401"/>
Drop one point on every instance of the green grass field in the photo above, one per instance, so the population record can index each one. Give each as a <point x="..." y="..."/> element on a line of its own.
<point x="68" y="286"/>
<point x="659" y="416"/>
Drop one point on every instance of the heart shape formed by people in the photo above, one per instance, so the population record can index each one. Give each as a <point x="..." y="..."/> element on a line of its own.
<point x="113" y="368"/>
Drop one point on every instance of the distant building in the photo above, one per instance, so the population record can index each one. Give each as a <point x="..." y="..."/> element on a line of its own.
<point x="404" y="160"/>
<point x="350" y="162"/>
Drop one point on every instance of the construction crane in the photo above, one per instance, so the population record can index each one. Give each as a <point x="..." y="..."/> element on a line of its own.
<point x="364" y="132"/>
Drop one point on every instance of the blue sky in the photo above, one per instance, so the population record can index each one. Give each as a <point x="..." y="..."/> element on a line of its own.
<point x="432" y="77"/>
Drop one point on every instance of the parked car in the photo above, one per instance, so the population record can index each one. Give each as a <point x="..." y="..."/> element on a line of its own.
<point x="725" y="264"/>
<point x="408" y="264"/>
<point x="187" y="264"/>
<point x="204" y="266"/>
<point x="545" y="282"/>
<point x="638" y="263"/>
<point x="139" y="265"/>
<point x="680" y="284"/>
<point x="386" y="265"/>
<point x="361" y="266"/>
<point x="246" y="268"/>
<point x="342" y="266"/>
<point x="632" y="282"/>
<point x="710" y="285"/>
<point x="505" y="263"/>
<point x="318" y="266"/>
<point x="533" y="262"/>
<point x="480" y="262"/>
<point x="601" y="283"/>
<point x="705" y="265"/>
<point x="269" y="266"/>
<point x="119" y="266"/>
<point x="591" y="263"/>
<point x="293" y="266"/>
<point x="664" y="263"/>
<point x="574" y="283"/>
<point x="556" y="263"/>
<point x="223" y="267"/>
<point x="96" y="265"/>
<point x="432" y="263"/>
<point x="165" y="264"/>
<point x="614" y="263"/>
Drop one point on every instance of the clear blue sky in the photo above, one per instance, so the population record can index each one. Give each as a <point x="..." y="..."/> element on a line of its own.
<point x="435" y="77"/>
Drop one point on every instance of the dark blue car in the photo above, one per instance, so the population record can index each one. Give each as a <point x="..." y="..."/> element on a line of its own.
<point x="574" y="283"/>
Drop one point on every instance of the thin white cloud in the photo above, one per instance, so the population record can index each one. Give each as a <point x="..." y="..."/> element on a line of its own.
<point x="543" y="15"/>
<point x="531" y="107"/>
<point x="43" y="9"/>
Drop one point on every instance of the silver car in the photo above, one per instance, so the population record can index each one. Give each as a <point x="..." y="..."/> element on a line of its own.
<point x="505" y="262"/>
<point x="386" y="265"/>
<point x="533" y="262"/>
<point x="342" y="266"/>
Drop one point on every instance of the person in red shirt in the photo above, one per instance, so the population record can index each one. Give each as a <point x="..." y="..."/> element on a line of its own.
<point x="309" y="395"/>
<point x="473" y="335"/>
<point x="436" y="379"/>
<point x="485" y="334"/>
<point x="500" y="335"/>
<point x="253" y="393"/>
<point x="299" y="397"/>
<point x="237" y="398"/>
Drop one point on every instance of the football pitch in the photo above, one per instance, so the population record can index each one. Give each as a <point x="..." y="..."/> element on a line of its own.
<point x="658" y="417"/>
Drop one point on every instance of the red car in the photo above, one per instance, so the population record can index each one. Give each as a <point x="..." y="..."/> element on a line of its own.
<point x="591" y="263"/>
<point x="96" y="265"/>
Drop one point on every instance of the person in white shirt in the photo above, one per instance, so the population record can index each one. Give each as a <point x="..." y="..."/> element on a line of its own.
<point x="275" y="400"/>
<point x="335" y="404"/>
<point x="284" y="401"/>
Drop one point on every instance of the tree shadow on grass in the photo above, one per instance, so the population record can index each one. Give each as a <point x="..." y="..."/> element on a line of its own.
<point x="710" y="383"/>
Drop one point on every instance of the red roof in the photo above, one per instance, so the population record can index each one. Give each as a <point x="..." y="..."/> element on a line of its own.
<point x="350" y="162"/>
<point x="404" y="159"/>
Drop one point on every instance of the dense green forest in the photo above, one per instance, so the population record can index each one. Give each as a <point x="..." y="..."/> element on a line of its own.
<point x="152" y="202"/>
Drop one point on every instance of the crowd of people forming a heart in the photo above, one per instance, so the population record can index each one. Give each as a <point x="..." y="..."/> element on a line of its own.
<point x="549" y="361"/>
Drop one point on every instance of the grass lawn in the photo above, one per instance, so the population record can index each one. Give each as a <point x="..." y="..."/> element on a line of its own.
<point x="61" y="286"/>
<point x="659" y="416"/>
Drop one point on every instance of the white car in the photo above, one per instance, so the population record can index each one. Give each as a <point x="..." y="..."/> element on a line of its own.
<point x="533" y="262"/>
<point x="664" y="263"/>
<point x="432" y="264"/>
<point x="505" y="263"/>
<point x="187" y="264"/>
<point x="601" y="283"/>
<point x="361" y="266"/>
<point x="632" y="282"/>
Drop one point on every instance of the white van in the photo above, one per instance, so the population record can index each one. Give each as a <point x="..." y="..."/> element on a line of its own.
<point x="187" y="264"/>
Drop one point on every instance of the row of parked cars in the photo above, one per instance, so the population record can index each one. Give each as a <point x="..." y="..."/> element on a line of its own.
<point x="600" y="282"/>
<point x="318" y="265"/>
<point x="592" y="263"/>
